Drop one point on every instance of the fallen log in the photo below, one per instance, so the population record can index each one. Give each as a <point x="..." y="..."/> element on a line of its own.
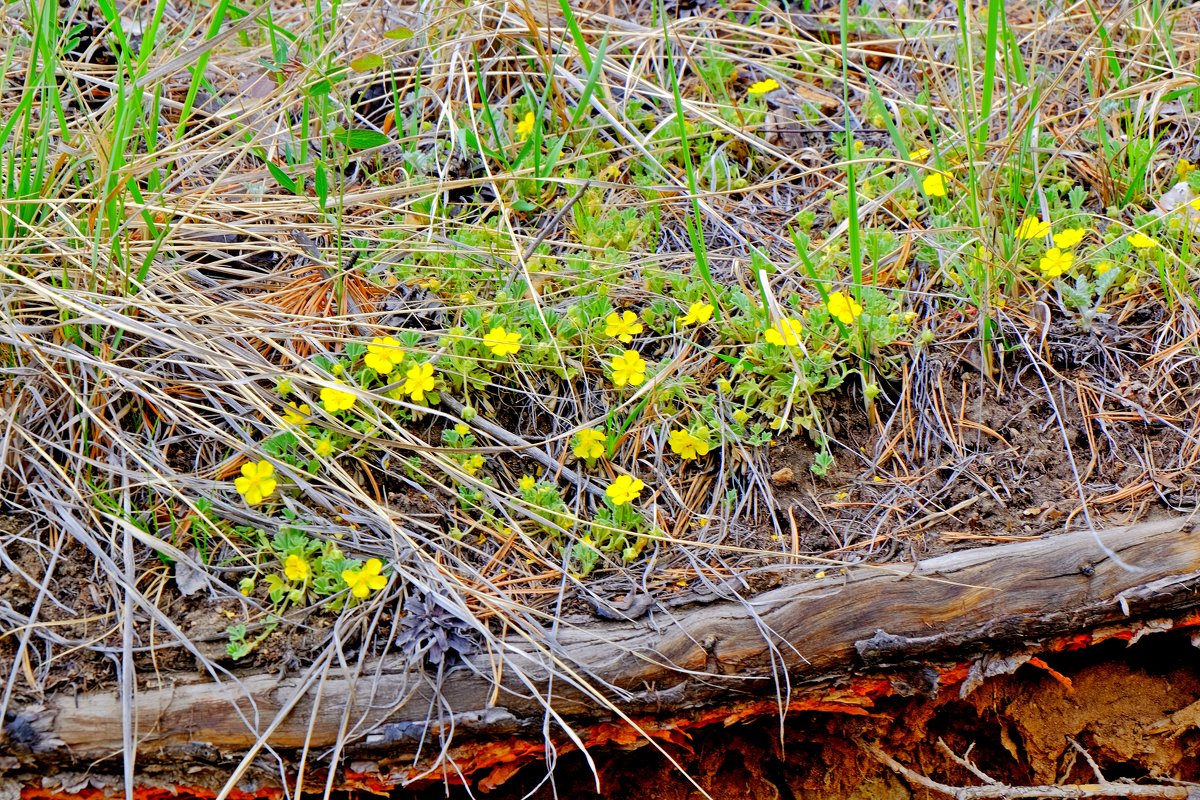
<point x="829" y="640"/>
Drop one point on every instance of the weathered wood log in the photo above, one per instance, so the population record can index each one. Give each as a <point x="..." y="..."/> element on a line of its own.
<point x="944" y="610"/>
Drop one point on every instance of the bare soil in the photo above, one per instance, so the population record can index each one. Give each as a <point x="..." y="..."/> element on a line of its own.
<point x="1128" y="707"/>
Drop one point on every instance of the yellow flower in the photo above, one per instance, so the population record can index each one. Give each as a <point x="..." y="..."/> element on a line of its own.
<point x="525" y="126"/>
<point x="920" y="154"/>
<point x="527" y="482"/>
<point x="323" y="447"/>
<point x="623" y="326"/>
<point x="785" y="332"/>
<point x="1194" y="204"/>
<point x="697" y="314"/>
<point x="256" y="482"/>
<point x="366" y="580"/>
<point x="688" y="445"/>
<point x="934" y="185"/>
<point x="284" y="387"/>
<point x="296" y="414"/>
<point x="384" y="355"/>
<point x="628" y="368"/>
<point x="502" y="342"/>
<point x="843" y="307"/>
<point x="762" y="87"/>
<point x="624" y="490"/>
<point x="1183" y="168"/>
<point x="1032" y="228"/>
<point x="1103" y="267"/>
<point x="589" y="444"/>
<point x="1056" y="262"/>
<point x="1069" y="238"/>
<point x="473" y="464"/>
<point x="418" y="380"/>
<point x="334" y="400"/>
<point x="462" y="429"/>
<point x="1141" y="241"/>
<point x="741" y="415"/>
<point x="296" y="568"/>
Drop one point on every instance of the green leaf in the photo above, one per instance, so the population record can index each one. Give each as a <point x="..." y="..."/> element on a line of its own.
<point x="366" y="63"/>
<point x="321" y="183"/>
<point x="398" y="34"/>
<point x="321" y="88"/>
<point x="360" y="138"/>
<point x="279" y="443"/>
<point x="282" y="178"/>
<point x="470" y="139"/>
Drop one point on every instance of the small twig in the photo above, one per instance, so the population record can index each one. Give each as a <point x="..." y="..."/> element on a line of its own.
<point x="1003" y="792"/>
<point x="548" y="228"/>
<point x="545" y="232"/>
<point x="963" y="762"/>
<point x="1091" y="762"/>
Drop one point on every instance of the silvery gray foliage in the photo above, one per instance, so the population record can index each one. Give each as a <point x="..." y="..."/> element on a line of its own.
<point x="431" y="631"/>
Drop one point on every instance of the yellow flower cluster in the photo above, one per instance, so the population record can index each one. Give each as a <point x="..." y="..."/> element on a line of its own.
<point x="934" y="184"/>
<point x="384" y="355"/>
<point x="525" y="126"/>
<point x="296" y="414"/>
<point x="589" y="444"/>
<point x="1056" y="262"/>
<point x="697" y="314"/>
<point x="335" y="400"/>
<point x="624" y="489"/>
<point x="1032" y="228"/>
<point x="628" y="369"/>
<point x="624" y="326"/>
<point x="296" y="568"/>
<point x="418" y="380"/>
<point x="688" y="445"/>
<point x="759" y="88"/>
<point x="501" y="342"/>
<point x="843" y="308"/>
<point x="785" y="332"/>
<point x="365" y="580"/>
<point x="257" y="481"/>
<point x="1059" y="259"/>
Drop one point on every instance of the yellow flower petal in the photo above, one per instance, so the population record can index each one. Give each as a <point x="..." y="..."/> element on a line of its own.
<point x="1032" y="228"/>
<point x="934" y="185"/>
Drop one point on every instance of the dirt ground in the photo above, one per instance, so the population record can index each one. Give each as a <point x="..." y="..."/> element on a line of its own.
<point x="1131" y="709"/>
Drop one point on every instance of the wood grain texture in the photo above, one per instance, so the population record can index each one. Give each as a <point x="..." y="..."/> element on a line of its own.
<point x="952" y="607"/>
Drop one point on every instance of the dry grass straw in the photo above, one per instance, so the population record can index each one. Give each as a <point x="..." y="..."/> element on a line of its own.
<point x="126" y="400"/>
